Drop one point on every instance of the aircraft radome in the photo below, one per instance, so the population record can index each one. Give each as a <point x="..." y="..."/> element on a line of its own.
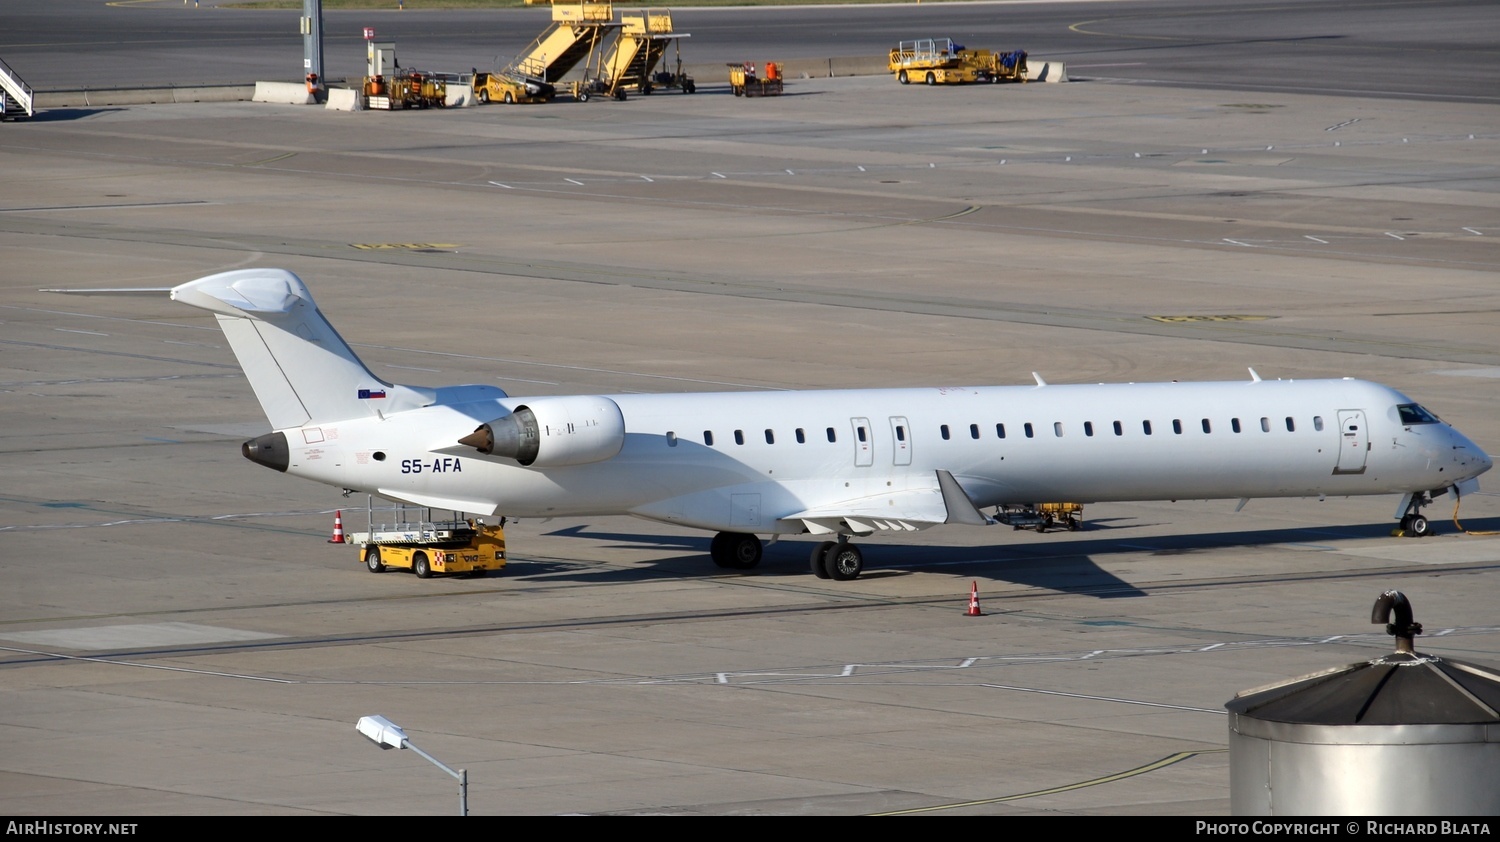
<point x="830" y="463"/>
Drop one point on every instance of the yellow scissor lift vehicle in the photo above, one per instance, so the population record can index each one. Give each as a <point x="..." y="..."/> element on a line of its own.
<point x="632" y="60"/>
<point x="575" y="35"/>
<point x="425" y="546"/>
<point x="939" y="61"/>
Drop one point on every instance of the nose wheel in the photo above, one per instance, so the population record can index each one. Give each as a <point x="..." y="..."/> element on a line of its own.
<point x="1414" y="524"/>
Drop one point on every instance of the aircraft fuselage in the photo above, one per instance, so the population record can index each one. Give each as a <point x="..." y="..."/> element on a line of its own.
<point x="686" y="457"/>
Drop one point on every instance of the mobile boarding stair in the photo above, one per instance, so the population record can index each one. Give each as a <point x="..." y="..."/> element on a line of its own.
<point x="638" y="49"/>
<point x="575" y="35"/>
<point x="16" y="99"/>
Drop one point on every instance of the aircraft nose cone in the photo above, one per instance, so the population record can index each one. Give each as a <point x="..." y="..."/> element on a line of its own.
<point x="1470" y="455"/>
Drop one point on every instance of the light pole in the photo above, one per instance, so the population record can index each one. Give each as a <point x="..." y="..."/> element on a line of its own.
<point x="388" y="735"/>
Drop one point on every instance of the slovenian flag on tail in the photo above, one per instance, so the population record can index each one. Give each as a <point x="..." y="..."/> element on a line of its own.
<point x="371" y="394"/>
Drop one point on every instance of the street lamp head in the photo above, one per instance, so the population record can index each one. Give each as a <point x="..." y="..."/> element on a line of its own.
<point x="381" y="731"/>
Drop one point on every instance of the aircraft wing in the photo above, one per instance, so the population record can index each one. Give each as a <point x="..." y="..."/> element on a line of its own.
<point x="906" y="510"/>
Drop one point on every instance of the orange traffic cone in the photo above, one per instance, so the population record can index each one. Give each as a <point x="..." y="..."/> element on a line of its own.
<point x="338" y="528"/>
<point x="974" y="602"/>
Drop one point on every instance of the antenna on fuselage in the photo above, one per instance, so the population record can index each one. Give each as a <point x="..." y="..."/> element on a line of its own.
<point x="1254" y="378"/>
<point x="1039" y="380"/>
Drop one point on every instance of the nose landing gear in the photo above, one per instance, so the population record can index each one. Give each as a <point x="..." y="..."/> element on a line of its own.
<point x="1414" y="524"/>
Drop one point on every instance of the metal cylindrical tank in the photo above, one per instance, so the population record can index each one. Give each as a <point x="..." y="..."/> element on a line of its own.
<point x="1407" y="734"/>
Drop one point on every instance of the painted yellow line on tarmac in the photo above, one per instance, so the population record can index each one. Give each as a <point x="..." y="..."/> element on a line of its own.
<point x="1119" y="776"/>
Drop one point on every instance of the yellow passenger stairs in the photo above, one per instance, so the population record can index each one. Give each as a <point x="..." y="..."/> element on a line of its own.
<point x="575" y="35"/>
<point x="631" y="61"/>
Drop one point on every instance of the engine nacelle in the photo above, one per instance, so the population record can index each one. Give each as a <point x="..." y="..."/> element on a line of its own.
<point x="549" y="432"/>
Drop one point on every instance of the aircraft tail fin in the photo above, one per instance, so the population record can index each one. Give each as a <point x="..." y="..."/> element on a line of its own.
<point x="302" y="371"/>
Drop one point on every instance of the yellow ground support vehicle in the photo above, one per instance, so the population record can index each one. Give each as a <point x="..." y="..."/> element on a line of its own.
<point x="744" y="82"/>
<point x="495" y="87"/>
<point x="998" y="67"/>
<point x="939" y="61"/>
<point x="465" y="547"/>
<point x="1042" y="516"/>
<point x="408" y="89"/>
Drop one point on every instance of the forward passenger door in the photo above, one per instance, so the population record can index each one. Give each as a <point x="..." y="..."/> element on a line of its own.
<point x="1354" y="442"/>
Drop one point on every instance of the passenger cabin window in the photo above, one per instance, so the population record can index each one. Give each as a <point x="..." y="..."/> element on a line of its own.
<point x="1029" y="432"/>
<point x="1057" y="428"/>
<point x="708" y="437"/>
<point x="999" y="431"/>
<point x="973" y="431"/>
<point x="1413" y="414"/>
<point x="770" y="437"/>
<point x="944" y="430"/>
<point x="1088" y="428"/>
<point x="1177" y="426"/>
<point x="1119" y="429"/>
<point x="1265" y="425"/>
<point x="1234" y="424"/>
<point x="1291" y="426"/>
<point x="671" y="439"/>
<point x="1318" y="423"/>
<point x="801" y="436"/>
<point x="1146" y="427"/>
<point x="832" y="436"/>
<point x="1207" y="428"/>
<point x="739" y="436"/>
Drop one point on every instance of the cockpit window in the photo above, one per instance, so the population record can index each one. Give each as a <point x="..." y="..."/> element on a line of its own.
<point x="1413" y="414"/>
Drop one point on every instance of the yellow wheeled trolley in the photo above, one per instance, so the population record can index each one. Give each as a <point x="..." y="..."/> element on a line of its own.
<point x="467" y="547"/>
<point x="744" y="81"/>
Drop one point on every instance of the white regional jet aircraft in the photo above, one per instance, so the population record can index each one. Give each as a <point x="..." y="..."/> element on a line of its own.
<point x="825" y="463"/>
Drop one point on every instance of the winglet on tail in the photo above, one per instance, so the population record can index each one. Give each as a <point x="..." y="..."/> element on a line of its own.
<point x="302" y="371"/>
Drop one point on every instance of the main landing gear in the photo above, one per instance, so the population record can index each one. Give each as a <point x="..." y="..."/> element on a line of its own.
<point x="838" y="560"/>
<point x="1414" y="524"/>
<point x="735" y="550"/>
